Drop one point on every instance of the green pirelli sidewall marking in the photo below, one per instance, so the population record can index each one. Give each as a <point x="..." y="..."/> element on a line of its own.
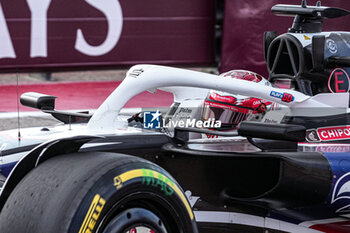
<point x="154" y="178"/>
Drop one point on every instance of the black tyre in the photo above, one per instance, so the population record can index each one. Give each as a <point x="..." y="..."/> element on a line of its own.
<point x="97" y="192"/>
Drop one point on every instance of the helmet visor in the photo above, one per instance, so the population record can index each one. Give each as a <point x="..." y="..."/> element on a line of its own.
<point x="230" y="115"/>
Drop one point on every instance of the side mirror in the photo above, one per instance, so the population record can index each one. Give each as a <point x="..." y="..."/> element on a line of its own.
<point x="268" y="38"/>
<point x="318" y="43"/>
<point x="38" y="101"/>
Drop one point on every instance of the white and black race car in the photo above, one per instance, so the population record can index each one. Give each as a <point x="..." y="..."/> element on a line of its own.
<point x="287" y="170"/>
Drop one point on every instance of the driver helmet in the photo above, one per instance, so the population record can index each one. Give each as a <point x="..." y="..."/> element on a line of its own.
<point x="232" y="109"/>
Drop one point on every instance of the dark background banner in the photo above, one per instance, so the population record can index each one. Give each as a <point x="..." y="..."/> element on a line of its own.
<point x="46" y="34"/>
<point x="244" y="25"/>
<point x="63" y="34"/>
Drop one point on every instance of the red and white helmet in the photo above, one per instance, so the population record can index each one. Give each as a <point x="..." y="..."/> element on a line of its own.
<point x="232" y="109"/>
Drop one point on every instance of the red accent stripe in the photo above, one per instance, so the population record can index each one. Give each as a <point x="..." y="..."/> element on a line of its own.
<point x="78" y="95"/>
<point x="336" y="227"/>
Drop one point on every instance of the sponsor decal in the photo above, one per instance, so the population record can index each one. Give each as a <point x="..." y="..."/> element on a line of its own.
<point x="306" y="37"/>
<point x="92" y="215"/>
<point x="285" y="97"/>
<point x="333" y="149"/>
<point x="257" y="102"/>
<point x="333" y="133"/>
<point x="154" y="178"/>
<point x="222" y="98"/>
<point x="338" y="81"/>
<point x="324" y="147"/>
<point x="312" y="136"/>
<point x="185" y="110"/>
<point x="209" y="136"/>
<point x="152" y="120"/>
<point x="266" y="120"/>
<point x="182" y="113"/>
<point x="341" y="192"/>
<point x="332" y="46"/>
<point x="224" y="106"/>
<point x="273" y="117"/>
<point x="135" y="73"/>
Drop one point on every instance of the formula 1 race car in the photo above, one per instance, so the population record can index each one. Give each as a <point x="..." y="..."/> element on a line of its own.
<point x="287" y="170"/>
